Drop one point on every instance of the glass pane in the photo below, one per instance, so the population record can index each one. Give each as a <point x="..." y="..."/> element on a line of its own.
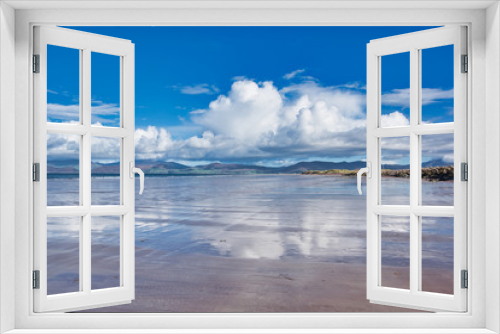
<point x="395" y="90"/>
<point x="437" y="254"/>
<point x="395" y="239"/>
<point x="395" y="170"/>
<point x="105" y="252"/>
<point x="63" y="84"/>
<point x="105" y="89"/>
<point x="437" y="169"/>
<point x="105" y="171"/>
<point x="63" y="169"/>
<point x="63" y="254"/>
<point x="437" y="84"/>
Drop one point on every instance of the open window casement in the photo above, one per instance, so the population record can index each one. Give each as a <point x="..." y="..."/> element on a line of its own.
<point x="418" y="209"/>
<point x="81" y="216"/>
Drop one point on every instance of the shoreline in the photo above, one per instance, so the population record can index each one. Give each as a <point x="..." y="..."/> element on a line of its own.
<point x="397" y="173"/>
<point x="429" y="174"/>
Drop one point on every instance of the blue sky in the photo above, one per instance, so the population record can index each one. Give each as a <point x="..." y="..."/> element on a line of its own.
<point x="267" y="95"/>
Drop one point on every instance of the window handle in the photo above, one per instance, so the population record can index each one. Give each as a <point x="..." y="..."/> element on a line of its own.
<point x="368" y="171"/>
<point x="139" y="171"/>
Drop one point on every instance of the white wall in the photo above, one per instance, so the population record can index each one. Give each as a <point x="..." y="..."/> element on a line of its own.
<point x="7" y="160"/>
<point x="492" y="163"/>
<point x="490" y="123"/>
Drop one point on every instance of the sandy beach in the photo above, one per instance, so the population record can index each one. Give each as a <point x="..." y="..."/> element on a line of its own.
<point x="197" y="283"/>
<point x="282" y="243"/>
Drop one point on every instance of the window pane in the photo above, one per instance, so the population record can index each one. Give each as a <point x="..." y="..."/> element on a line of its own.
<point x="395" y="239"/>
<point x="63" y="84"/>
<point x="437" y="254"/>
<point x="63" y="169"/>
<point x="395" y="86"/>
<point x="105" y="171"/>
<point x="105" y="252"/>
<point x="63" y="254"/>
<point x="437" y="84"/>
<point x="437" y="169"/>
<point x="395" y="170"/>
<point x="105" y="89"/>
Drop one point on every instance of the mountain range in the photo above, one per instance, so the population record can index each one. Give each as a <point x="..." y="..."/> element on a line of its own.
<point x="173" y="168"/>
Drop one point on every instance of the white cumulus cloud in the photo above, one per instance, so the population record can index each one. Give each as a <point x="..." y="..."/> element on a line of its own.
<point x="401" y="97"/>
<point x="107" y="113"/>
<point x="257" y="122"/>
<point x="245" y="114"/>
<point x="152" y="143"/>
<point x="394" y="119"/>
<point x="105" y="149"/>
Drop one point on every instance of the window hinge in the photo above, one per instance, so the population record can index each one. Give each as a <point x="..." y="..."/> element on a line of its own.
<point x="36" y="63"/>
<point x="464" y="171"/>
<point x="36" y="172"/>
<point x="36" y="279"/>
<point x="465" y="279"/>
<point x="465" y="64"/>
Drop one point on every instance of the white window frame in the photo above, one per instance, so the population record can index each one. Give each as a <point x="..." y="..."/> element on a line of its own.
<point x="85" y="44"/>
<point x="414" y="43"/>
<point x="483" y="100"/>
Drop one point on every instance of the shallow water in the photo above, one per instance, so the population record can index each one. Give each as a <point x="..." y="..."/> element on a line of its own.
<point x="288" y="218"/>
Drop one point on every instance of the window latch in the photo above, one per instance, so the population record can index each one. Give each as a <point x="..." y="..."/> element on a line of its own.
<point x="368" y="171"/>
<point x="139" y="171"/>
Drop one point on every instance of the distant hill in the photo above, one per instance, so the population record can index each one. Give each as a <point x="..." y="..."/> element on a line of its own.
<point x="163" y="165"/>
<point x="321" y="165"/>
<point x="227" y="167"/>
<point x="105" y="169"/>
<point x="217" y="168"/>
<point x="160" y="167"/>
<point x="437" y="163"/>
<point x="63" y="167"/>
<point x="62" y="170"/>
<point x="394" y="166"/>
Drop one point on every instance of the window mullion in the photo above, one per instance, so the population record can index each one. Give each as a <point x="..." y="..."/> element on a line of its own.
<point x="414" y="169"/>
<point x="434" y="129"/>
<point x="85" y="165"/>
<point x="82" y="233"/>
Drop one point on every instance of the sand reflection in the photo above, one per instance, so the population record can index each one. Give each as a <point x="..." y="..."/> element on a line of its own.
<point x="249" y="243"/>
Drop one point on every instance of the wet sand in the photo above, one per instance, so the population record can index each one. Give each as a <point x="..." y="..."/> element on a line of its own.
<point x="257" y="244"/>
<point x="200" y="283"/>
